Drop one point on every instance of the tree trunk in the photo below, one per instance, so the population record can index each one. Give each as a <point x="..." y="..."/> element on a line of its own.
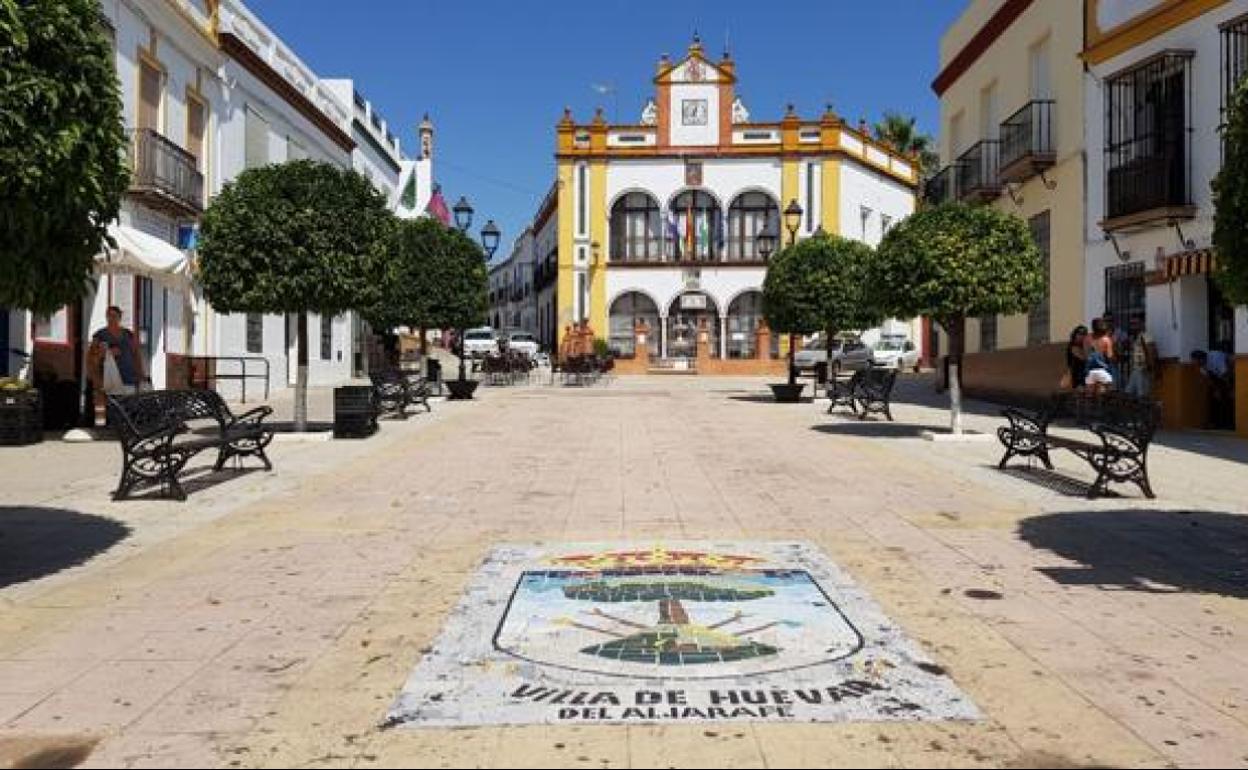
<point x="672" y="612"/>
<point x="26" y="369"/>
<point x="792" y="359"/>
<point x="459" y="340"/>
<point x="301" y="375"/>
<point x="957" y="342"/>
<point x="424" y="342"/>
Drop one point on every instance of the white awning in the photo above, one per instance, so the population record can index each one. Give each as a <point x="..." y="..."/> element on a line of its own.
<point x="141" y="254"/>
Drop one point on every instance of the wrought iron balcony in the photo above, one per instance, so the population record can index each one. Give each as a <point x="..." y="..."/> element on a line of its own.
<point x="1027" y="142"/>
<point x="1148" y="143"/>
<point x="939" y="188"/>
<point x="1149" y="182"/>
<point x="164" y="175"/>
<point x="977" y="171"/>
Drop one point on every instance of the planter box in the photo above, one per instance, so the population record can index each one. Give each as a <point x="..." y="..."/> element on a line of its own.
<point x="461" y="390"/>
<point x="355" y="412"/>
<point x="21" y="417"/>
<point x="788" y="394"/>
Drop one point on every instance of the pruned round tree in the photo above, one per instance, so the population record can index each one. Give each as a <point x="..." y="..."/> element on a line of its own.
<point x="821" y="284"/>
<point x="955" y="261"/>
<point x="61" y="150"/>
<point x="456" y="285"/>
<point x="300" y="237"/>
<point x="1230" y="200"/>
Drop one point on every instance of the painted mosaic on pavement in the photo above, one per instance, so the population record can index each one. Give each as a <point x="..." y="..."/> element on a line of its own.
<point x="679" y="632"/>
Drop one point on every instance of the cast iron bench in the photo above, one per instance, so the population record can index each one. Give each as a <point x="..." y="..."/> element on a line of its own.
<point x="397" y="390"/>
<point x="868" y="391"/>
<point x="1123" y="427"/>
<point x="158" y="435"/>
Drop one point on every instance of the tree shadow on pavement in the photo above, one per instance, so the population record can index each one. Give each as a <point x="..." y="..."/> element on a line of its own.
<point x="873" y="429"/>
<point x="36" y="541"/>
<point x="762" y="398"/>
<point x="1145" y="550"/>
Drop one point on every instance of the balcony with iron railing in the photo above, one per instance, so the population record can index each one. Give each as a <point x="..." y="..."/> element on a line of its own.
<point x="1147" y="181"/>
<point x="163" y="175"/>
<point x="939" y="188"/>
<point x="976" y="172"/>
<point x="1027" y="146"/>
<point x="1148" y="143"/>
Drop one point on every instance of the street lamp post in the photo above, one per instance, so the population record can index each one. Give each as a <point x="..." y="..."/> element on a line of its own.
<point x="792" y="219"/>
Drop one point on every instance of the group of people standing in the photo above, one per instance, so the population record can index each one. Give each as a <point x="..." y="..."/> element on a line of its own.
<point x="1108" y="357"/>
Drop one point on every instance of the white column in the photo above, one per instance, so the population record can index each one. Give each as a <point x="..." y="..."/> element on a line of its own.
<point x="662" y="336"/>
<point x="723" y="337"/>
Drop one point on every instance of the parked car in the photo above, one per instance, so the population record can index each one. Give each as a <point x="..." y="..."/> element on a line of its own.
<point x="522" y="342"/>
<point x="480" y="342"/>
<point x="896" y="352"/>
<point x="847" y="355"/>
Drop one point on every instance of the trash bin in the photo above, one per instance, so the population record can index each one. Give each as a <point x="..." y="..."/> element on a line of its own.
<point x="355" y="412"/>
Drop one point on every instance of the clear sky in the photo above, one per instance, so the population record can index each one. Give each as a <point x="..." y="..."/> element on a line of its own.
<point x="495" y="76"/>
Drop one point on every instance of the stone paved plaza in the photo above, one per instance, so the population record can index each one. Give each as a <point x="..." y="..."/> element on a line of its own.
<point x="273" y="619"/>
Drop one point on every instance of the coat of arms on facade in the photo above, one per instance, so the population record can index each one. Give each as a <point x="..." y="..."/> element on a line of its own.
<point x="693" y="174"/>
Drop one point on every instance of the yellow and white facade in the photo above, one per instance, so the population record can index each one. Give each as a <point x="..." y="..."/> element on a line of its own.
<point x="658" y="220"/>
<point x="1012" y="136"/>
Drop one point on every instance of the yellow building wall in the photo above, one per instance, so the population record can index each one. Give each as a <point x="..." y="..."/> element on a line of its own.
<point x="598" y="235"/>
<point x="566" y="282"/>
<point x="1007" y="66"/>
<point x="830" y="194"/>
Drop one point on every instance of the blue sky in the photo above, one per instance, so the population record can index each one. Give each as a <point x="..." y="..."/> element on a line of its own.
<point x="495" y="76"/>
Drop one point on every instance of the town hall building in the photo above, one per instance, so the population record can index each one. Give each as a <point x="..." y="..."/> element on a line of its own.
<point x="658" y="221"/>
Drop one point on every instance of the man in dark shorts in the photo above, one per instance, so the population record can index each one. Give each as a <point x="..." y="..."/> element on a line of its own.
<point x="124" y="347"/>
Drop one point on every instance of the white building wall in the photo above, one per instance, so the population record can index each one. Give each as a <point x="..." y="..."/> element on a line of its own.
<point x="724" y="179"/>
<point x="1202" y="37"/>
<point x="190" y="63"/>
<point x="285" y="124"/>
<point x="665" y="285"/>
<point x="861" y="186"/>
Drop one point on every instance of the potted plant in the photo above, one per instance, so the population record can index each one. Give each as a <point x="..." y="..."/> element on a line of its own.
<point x="21" y="413"/>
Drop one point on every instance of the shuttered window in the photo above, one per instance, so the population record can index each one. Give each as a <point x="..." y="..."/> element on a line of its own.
<point x="196" y="130"/>
<point x="149" y="96"/>
<point x="256" y="152"/>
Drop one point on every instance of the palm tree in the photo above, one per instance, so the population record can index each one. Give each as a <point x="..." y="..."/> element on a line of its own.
<point x="903" y="134"/>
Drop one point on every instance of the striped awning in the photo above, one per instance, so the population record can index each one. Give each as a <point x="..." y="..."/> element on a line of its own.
<point x="1195" y="262"/>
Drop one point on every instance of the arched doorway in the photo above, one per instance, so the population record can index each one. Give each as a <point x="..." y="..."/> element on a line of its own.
<point x="684" y="317"/>
<point x="627" y="309"/>
<point x="744" y="314"/>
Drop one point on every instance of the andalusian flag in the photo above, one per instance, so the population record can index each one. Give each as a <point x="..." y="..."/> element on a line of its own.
<point x="690" y="231"/>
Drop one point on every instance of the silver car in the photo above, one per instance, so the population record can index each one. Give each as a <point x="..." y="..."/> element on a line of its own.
<point x="847" y="355"/>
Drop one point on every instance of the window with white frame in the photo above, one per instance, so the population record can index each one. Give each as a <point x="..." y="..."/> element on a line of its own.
<point x="53" y="328"/>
